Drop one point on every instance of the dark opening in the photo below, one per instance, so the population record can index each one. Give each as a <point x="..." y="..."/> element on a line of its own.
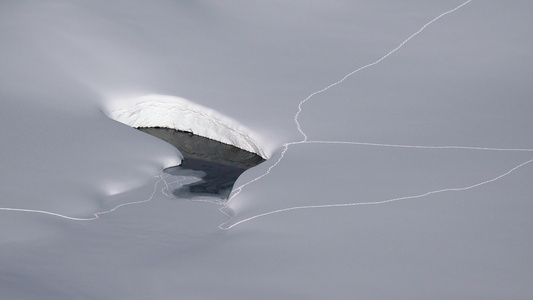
<point x="221" y="163"/>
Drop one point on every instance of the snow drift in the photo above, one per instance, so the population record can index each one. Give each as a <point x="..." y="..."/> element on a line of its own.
<point x="182" y="114"/>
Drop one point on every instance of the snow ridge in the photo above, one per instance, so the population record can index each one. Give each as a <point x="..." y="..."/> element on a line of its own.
<point x="181" y="114"/>
<point x="286" y="146"/>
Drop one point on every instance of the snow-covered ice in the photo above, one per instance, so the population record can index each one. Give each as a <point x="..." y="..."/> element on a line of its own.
<point x="410" y="179"/>
<point x="182" y="114"/>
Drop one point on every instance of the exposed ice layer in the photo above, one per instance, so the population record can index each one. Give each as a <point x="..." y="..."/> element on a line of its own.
<point x="182" y="114"/>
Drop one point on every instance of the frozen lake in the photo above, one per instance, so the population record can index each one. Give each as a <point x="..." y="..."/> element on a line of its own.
<point x="397" y="139"/>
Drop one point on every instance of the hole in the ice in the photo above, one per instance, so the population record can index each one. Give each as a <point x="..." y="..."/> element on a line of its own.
<point x="221" y="163"/>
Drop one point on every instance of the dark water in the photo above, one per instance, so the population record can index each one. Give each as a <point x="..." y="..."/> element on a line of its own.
<point x="221" y="163"/>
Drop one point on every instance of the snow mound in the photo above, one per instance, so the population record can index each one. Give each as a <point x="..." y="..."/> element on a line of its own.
<point x="182" y="114"/>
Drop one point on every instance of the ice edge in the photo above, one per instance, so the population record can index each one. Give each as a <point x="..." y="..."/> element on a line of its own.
<point x="181" y="114"/>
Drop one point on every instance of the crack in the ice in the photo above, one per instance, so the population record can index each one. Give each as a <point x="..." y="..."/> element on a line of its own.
<point x="383" y="201"/>
<point x="286" y="146"/>
<point x="96" y="215"/>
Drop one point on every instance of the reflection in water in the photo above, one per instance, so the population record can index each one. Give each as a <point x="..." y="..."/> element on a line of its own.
<point x="221" y="163"/>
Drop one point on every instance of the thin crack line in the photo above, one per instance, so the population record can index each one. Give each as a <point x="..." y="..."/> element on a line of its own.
<point x="285" y="147"/>
<point x="96" y="215"/>
<point x="296" y="116"/>
<point x="420" y="146"/>
<point x="369" y="65"/>
<point x="377" y="202"/>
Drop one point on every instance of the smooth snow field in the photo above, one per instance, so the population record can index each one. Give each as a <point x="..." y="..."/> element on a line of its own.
<point x="397" y="136"/>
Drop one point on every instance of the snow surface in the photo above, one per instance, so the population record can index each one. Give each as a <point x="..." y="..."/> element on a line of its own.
<point x="182" y="114"/>
<point x="408" y="179"/>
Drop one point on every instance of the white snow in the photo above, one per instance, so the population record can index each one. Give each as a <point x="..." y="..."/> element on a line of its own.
<point x="182" y="114"/>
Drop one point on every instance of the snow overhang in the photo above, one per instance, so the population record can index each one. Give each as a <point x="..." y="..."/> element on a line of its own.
<point x="181" y="114"/>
